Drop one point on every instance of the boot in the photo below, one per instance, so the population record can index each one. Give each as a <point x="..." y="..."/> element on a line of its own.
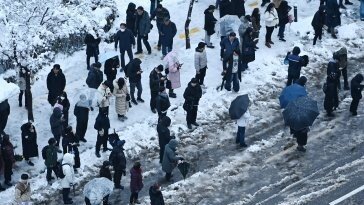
<point x="83" y="139"/>
<point x="30" y="163"/>
<point x="134" y="101"/>
<point x="98" y="154"/>
<point x="267" y="44"/>
<point x="172" y="95"/>
<point x="140" y="100"/>
<point x="189" y="126"/>
<point x="195" y="124"/>
<point x="2" y="188"/>
<point x="301" y="148"/>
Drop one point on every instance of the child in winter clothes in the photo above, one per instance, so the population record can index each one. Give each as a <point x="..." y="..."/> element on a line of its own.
<point x="63" y="100"/>
<point x="70" y="144"/>
<point x="136" y="182"/>
<point x="356" y="89"/>
<point x="22" y="190"/>
<point x="242" y="122"/>
<point x="69" y="177"/>
<point x="155" y="194"/>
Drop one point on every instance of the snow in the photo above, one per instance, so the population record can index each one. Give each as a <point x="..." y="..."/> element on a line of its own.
<point x="7" y="90"/>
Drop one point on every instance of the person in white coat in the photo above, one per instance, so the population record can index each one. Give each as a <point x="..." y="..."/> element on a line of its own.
<point x="242" y="122"/>
<point x="103" y="96"/>
<point x="200" y="63"/>
<point x="69" y="177"/>
<point x="23" y="191"/>
<point x="120" y="92"/>
<point x="271" y="21"/>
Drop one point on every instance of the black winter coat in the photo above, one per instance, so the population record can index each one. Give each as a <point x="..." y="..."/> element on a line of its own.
<point x="105" y="172"/>
<point x="356" y="88"/>
<point x="56" y="122"/>
<point x="161" y="15"/>
<point x="164" y="135"/>
<point x="210" y="22"/>
<point x="124" y="39"/>
<point x="333" y="13"/>
<point x="295" y="65"/>
<point x="55" y="85"/>
<point x="117" y="158"/>
<point x="81" y="113"/>
<point x="225" y="8"/>
<point x="282" y="11"/>
<point x="94" y="78"/>
<point x="92" y="45"/>
<point x="111" y="68"/>
<point x="133" y="68"/>
<point x="162" y="103"/>
<point x="248" y="48"/>
<point x="102" y="122"/>
<point x="5" y="108"/>
<point x="131" y="17"/>
<point x="154" y="80"/>
<point x="192" y="95"/>
<point x="156" y="196"/>
<point x="331" y="100"/>
<point x="167" y="33"/>
<point x="29" y="141"/>
<point x="238" y="7"/>
<point x="318" y="20"/>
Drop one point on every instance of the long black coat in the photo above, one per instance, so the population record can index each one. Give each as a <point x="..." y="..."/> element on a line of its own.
<point x="331" y="100"/>
<point x="55" y="85"/>
<point x="29" y="141"/>
<point x="117" y="158"/>
<point x="225" y="8"/>
<point x="167" y="33"/>
<point x="164" y="135"/>
<point x="248" y="47"/>
<point x="156" y="197"/>
<point x="210" y="21"/>
<point x="318" y="20"/>
<point x="92" y="45"/>
<point x="131" y="17"/>
<point x="192" y="95"/>
<point x="238" y="7"/>
<point x="154" y="80"/>
<point x="133" y="68"/>
<point x="110" y="68"/>
<point x="356" y="88"/>
<point x="333" y="13"/>
<point x="56" y="122"/>
<point x="4" y="114"/>
<point x="282" y="12"/>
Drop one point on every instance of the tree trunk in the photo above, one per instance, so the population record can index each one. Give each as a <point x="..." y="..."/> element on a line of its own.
<point x="187" y="25"/>
<point x="28" y="97"/>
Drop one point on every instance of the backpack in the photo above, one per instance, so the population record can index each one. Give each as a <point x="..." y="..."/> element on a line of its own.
<point x="113" y="139"/>
<point x="59" y="168"/>
<point x="44" y="152"/>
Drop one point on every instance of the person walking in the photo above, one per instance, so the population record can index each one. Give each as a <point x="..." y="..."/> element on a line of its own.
<point x="170" y="159"/>
<point x="131" y="16"/>
<point x="162" y="103"/>
<point x="49" y="154"/>
<point x="23" y="191"/>
<point x="103" y="97"/>
<point x="56" y="122"/>
<point x="271" y="21"/>
<point x="4" y="114"/>
<point x="301" y="137"/>
<point x="318" y="22"/>
<point x="102" y="125"/>
<point x="295" y="64"/>
<point x="255" y="19"/>
<point x="94" y="80"/>
<point x="282" y="12"/>
<point x="167" y="31"/>
<point x="164" y="135"/>
<point x="356" y="89"/>
<point x="92" y="47"/>
<point x="172" y="69"/>
<point x="136" y="182"/>
<point x="81" y="111"/>
<point x="331" y="101"/>
<point x="155" y="81"/>
<point x="7" y="151"/>
<point x="242" y="122"/>
<point x="200" y="63"/>
<point x="118" y="161"/>
<point x="155" y="195"/>
<point x="24" y="73"/>
<point x="121" y="92"/>
<point x="125" y="38"/>
<point x="135" y="76"/>
<point x="29" y="142"/>
<point x="342" y="56"/>
<point x="209" y="26"/>
<point x="56" y="83"/>
<point x="160" y="14"/>
<point x="142" y="26"/>
<point x="69" y="177"/>
<point x="104" y="172"/>
<point x="248" y="48"/>
<point x="192" y="96"/>
<point x="332" y="16"/>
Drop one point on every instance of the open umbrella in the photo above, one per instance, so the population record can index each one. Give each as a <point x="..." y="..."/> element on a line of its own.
<point x="301" y="113"/>
<point x="239" y="106"/>
<point x="107" y="55"/>
<point x="291" y="93"/>
<point x="230" y="22"/>
<point x="184" y="167"/>
<point x="96" y="189"/>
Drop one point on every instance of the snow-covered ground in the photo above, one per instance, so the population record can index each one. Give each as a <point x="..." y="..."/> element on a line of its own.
<point x="220" y="174"/>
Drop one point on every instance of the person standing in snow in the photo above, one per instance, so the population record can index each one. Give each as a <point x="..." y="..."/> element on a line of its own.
<point x="7" y="151"/>
<point x="342" y="56"/>
<point x="283" y="11"/>
<point x="69" y="177"/>
<point x="295" y="64"/>
<point x="118" y="161"/>
<point x="63" y="100"/>
<point x="24" y="73"/>
<point x="164" y="135"/>
<point x="134" y="72"/>
<point x="167" y="31"/>
<point x="81" y="111"/>
<point x="238" y="8"/>
<point x="318" y="22"/>
<point x="271" y="21"/>
<point x="192" y="96"/>
<point x="104" y="172"/>
<point x="248" y="48"/>
<point x="231" y="71"/>
<point x="331" y="101"/>
<point x="56" y="123"/>
<point x="160" y="13"/>
<point x="29" y="142"/>
<point x="142" y="26"/>
<point x="172" y="69"/>
<point x="162" y="103"/>
<point x="245" y="23"/>
<point x="125" y="38"/>
<point x="225" y="30"/>
<point x="242" y="122"/>
<point x="94" y="79"/>
<point x="170" y="159"/>
<point x="356" y="89"/>
<point x="131" y="15"/>
<point x="255" y="19"/>
<point x="23" y="191"/>
<point x="103" y="98"/>
<point x="4" y="114"/>
<point x="102" y="125"/>
<point x="155" y="195"/>
<point x="56" y="82"/>
<point x="92" y="47"/>
<point x="155" y="81"/>
<point x="70" y="143"/>
<point x="136" y="182"/>
<point x="229" y="45"/>
<point x="111" y="68"/>
<point x="1" y="167"/>
<point x="209" y="26"/>
<point x="49" y="154"/>
<point x="332" y="16"/>
<point x="225" y="8"/>
<point x="153" y="4"/>
<point x="301" y="137"/>
<point x="200" y="63"/>
<point x="121" y="92"/>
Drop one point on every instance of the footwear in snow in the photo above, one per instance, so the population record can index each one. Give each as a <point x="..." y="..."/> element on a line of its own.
<point x="140" y="100"/>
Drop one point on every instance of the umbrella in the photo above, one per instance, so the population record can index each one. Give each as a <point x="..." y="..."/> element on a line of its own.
<point x="96" y="189"/>
<point x="301" y="113"/>
<point x="230" y="22"/>
<point x="239" y="106"/>
<point x="107" y="55"/>
<point x="184" y="167"/>
<point x="291" y="93"/>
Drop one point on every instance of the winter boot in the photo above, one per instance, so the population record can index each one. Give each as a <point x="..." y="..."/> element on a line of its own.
<point x="2" y="188"/>
<point x="267" y="44"/>
<point x="172" y="95"/>
<point x="301" y="148"/>
<point x="195" y="124"/>
<point x="82" y="139"/>
<point x="134" y="101"/>
<point x="119" y="187"/>
<point x="189" y="126"/>
<point x="154" y="111"/>
<point x="98" y="154"/>
<point x="140" y="100"/>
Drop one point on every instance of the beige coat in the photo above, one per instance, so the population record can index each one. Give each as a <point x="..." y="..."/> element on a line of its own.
<point x="121" y="105"/>
<point x="22" y="192"/>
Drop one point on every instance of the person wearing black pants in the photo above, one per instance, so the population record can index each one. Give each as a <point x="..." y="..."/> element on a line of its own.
<point x="7" y="151"/>
<point x="192" y="96"/>
<point x="356" y="89"/>
<point x="81" y="111"/>
<point x="155" y="81"/>
<point x="125" y="38"/>
<point x="200" y="62"/>
<point x="4" y="114"/>
<point x="102" y="126"/>
<point x="301" y="137"/>
<point x="318" y="22"/>
<point x="118" y="161"/>
<point x="92" y="48"/>
<point x="142" y="28"/>
<point x="271" y="21"/>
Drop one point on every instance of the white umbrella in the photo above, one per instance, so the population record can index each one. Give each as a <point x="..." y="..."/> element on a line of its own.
<point x="96" y="189"/>
<point x="230" y="22"/>
<point x="107" y="55"/>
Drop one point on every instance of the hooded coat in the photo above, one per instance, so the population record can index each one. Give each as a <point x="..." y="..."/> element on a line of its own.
<point x="117" y="158"/>
<point x="283" y="11"/>
<point x="200" y="59"/>
<point x="162" y="103"/>
<point x="131" y="17"/>
<point x="103" y="95"/>
<point x="210" y="22"/>
<point x="29" y="141"/>
<point x="332" y="14"/>
<point x="136" y="180"/>
<point x="55" y="85"/>
<point x="319" y="18"/>
<point x="356" y="88"/>
<point x="331" y="96"/>
<point x="82" y="109"/>
<point x="121" y="105"/>
<point x="56" y="122"/>
<point x="342" y="55"/>
<point x="164" y="135"/>
<point x="248" y="46"/>
<point x="102" y="122"/>
<point x="94" y="78"/>
<point x="168" y="33"/>
<point x="67" y="167"/>
<point x="172" y="64"/>
<point x="154" y="80"/>
<point x="192" y="95"/>
<point x="238" y="7"/>
<point x="133" y="68"/>
<point x="92" y="45"/>
<point x="142" y="24"/>
<point x="156" y="196"/>
<point x="170" y="157"/>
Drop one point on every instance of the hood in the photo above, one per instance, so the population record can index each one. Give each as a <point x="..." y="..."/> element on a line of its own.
<point x="342" y="51"/>
<point x="248" y="30"/>
<point x="166" y="121"/>
<point x="206" y="11"/>
<point x="154" y="189"/>
<point x="302" y="81"/>
<point x="358" y="78"/>
<point x="131" y="6"/>
<point x="68" y="159"/>
<point x="296" y="51"/>
<point x="84" y="102"/>
<point x="57" y="112"/>
<point x="284" y="4"/>
<point x="173" y="144"/>
<point x="137" y="61"/>
<point x="322" y="8"/>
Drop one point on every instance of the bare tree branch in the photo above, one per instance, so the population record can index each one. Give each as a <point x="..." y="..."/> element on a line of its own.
<point x="31" y="16"/>
<point x="45" y="13"/>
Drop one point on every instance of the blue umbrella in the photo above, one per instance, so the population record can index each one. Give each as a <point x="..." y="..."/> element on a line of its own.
<point x="291" y="93"/>
<point x="301" y="113"/>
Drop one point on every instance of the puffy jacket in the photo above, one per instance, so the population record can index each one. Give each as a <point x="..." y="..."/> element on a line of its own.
<point x="51" y="156"/>
<point x="22" y="192"/>
<point x="162" y="103"/>
<point x="102" y="122"/>
<point x="136" y="180"/>
<point x="103" y="96"/>
<point x="154" y="80"/>
<point x="67" y="167"/>
<point x="342" y="55"/>
<point x="94" y="78"/>
<point x="124" y="39"/>
<point x="318" y="20"/>
<point x="200" y="59"/>
<point x="117" y="158"/>
<point x="282" y="11"/>
<point x="56" y="122"/>
<point x="170" y="157"/>
<point x="92" y="45"/>
<point x="356" y="88"/>
<point x="156" y="196"/>
<point x="271" y="18"/>
<point x="294" y="66"/>
<point x="192" y="95"/>
<point x="143" y="24"/>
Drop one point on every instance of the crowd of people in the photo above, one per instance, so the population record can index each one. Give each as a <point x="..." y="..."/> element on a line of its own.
<point x="235" y="52"/>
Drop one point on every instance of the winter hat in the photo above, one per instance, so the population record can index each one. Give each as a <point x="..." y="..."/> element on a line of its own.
<point x="137" y="165"/>
<point x="211" y="7"/>
<point x="51" y="141"/>
<point x="97" y="65"/>
<point x="302" y="81"/>
<point x="296" y="50"/>
<point x="56" y="66"/>
<point x="24" y="177"/>
<point x="106" y="163"/>
<point x="140" y="8"/>
<point x="159" y="6"/>
<point x="121" y="143"/>
<point x="123" y="24"/>
<point x="201" y="45"/>
<point x="160" y="68"/>
<point x="232" y="34"/>
<point x="194" y="81"/>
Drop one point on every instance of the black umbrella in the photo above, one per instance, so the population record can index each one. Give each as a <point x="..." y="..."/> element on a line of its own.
<point x="239" y="106"/>
<point x="301" y="113"/>
<point x="184" y="167"/>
